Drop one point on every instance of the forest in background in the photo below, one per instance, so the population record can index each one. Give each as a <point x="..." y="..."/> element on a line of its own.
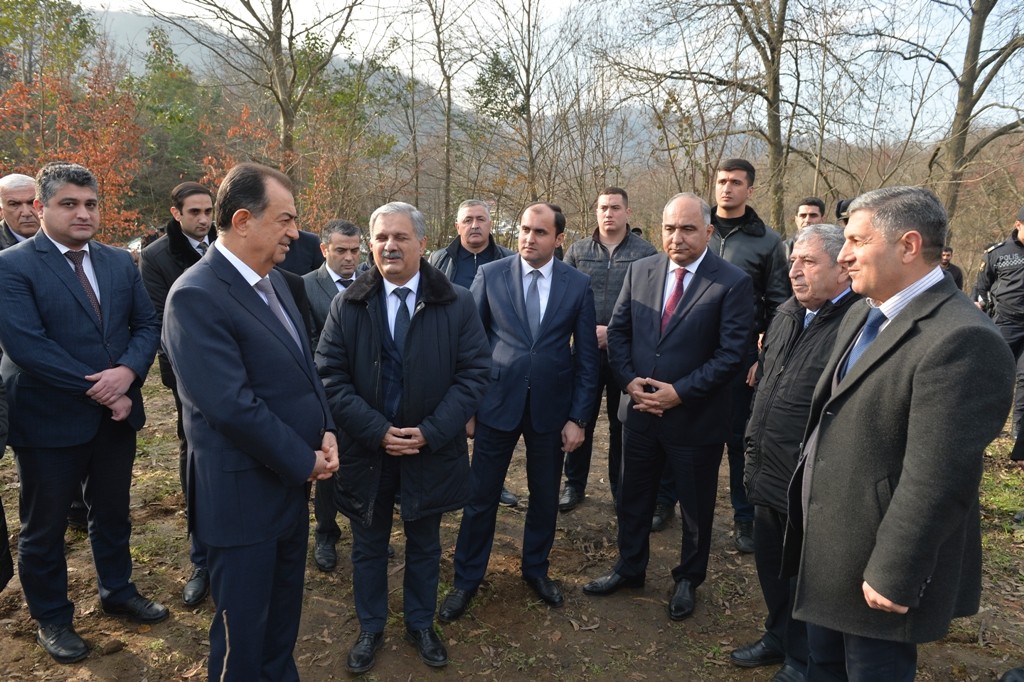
<point x="435" y="101"/>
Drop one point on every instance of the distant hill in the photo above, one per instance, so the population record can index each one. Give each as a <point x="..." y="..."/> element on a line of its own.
<point x="128" y="31"/>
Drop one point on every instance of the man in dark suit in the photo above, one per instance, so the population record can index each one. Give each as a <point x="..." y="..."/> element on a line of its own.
<point x="79" y="334"/>
<point x="187" y="236"/>
<point x="885" y="497"/>
<point x="404" y="360"/>
<point x="676" y="339"/>
<point x="18" y="217"/>
<point x="340" y="243"/>
<point x="303" y="255"/>
<point x="257" y="421"/>
<point x="6" y="564"/>
<point x="532" y="307"/>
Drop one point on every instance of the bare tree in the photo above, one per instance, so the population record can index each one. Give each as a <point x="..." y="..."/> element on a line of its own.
<point x="263" y="43"/>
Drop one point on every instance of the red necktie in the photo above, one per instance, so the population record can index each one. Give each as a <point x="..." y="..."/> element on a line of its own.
<point x="673" y="299"/>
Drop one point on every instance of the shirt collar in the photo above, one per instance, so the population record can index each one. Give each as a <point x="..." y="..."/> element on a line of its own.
<point x="413" y="284"/>
<point x="545" y="270"/>
<point x="692" y="267"/>
<point x="250" y="275"/>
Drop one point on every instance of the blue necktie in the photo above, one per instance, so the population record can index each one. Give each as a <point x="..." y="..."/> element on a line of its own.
<point x="808" y="316"/>
<point x="876" y="318"/>
<point x="533" y="304"/>
<point x="401" y="318"/>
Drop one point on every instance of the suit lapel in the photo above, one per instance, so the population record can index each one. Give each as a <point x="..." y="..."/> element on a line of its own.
<point x="65" y="272"/>
<point x="101" y="268"/>
<point x="327" y="285"/>
<point x="559" y="283"/>
<point x="699" y="283"/>
<point x="514" y="284"/>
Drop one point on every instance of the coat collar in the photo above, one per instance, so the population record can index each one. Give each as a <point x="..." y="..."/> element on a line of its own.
<point x="434" y="286"/>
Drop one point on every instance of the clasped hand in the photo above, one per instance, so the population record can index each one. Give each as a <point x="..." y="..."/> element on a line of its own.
<point x="663" y="396"/>
<point x="406" y="441"/>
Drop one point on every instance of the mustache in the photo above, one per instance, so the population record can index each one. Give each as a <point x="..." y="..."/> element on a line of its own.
<point x="391" y="254"/>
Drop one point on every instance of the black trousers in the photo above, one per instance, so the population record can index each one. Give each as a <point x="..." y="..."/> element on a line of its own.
<point x="782" y="630"/>
<point x="695" y="474"/>
<point x="842" y="657"/>
<point x="577" y="462"/>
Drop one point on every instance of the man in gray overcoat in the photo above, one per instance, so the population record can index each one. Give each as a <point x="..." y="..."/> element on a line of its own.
<point x="886" y="492"/>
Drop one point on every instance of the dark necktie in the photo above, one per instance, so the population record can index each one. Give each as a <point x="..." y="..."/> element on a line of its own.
<point x="876" y="318"/>
<point x="76" y="257"/>
<point x="267" y="290"/>
<point x="673" y="299"/>
<point x="401" y="317"/>
<point x="533" y="304"/>
<point x="201" y="247"/>
<point x="343" y="283"/>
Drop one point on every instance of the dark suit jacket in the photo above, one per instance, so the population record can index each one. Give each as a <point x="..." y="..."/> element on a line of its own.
<point x="304" y="255"/>
<point x="6" y="564"/>
<point x="897" y="464"/>
<point x="254" y="408"/>
<point x="7" y="238"/>
<point x="52" y="339"/>
<point x="699" y="353"/>
<point x="562" y="379"/>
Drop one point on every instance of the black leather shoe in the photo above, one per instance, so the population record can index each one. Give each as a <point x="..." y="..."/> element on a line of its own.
<point x="547" y="589"/>
<point x="432" y="651"/>
<point x="757" y="654"/>
<point x="454" y="605"/>
<point x="788" y="673"/>
<point x="62" y="643"/>
<point x="197" y="587"/>
<point x="361" y="656"/>
<point x="139" y="609"/>
<point x="570" y="499"/>
<point x="325" y="555"/>
<point x="507" y="499"/>
<point x="745" y="536"/>
<point x="682" y="602"/>
<point x="663" y="514"/>
<point x="612" y="583"/>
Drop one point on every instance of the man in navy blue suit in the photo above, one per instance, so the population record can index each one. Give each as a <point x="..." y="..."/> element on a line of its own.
<point x="257" y="422"/>
<point x="677" y="337"/>
<point x="532" y="306"/>
<point x="79" y="335"/>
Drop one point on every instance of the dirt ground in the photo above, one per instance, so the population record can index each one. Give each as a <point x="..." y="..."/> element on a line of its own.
<point x="508" y="634"/>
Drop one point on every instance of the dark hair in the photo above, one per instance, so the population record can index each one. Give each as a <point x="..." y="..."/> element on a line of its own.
<point x="343" y="227"/>
<point x="947" y="248"/>
<point x="559" y="216"/>
<point x="185" y="190"/>
<point x="245" y="186"/>
<point x="56" y="174"/>
<point x="813" y="201"/>
<point x="615" y="190"/>
<point x="738" y="165"/>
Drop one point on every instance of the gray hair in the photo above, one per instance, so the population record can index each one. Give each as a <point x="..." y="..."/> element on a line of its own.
<point x="705" y="208"/>
<point x="343" y="227"/>
<point x="55" y="175"/>
<point x="897" y="210"/>
<point x="17" y="181"/>
<point x="831" y="237"/>
<point x="474" y="202"/>
<point x="419" y="223"/>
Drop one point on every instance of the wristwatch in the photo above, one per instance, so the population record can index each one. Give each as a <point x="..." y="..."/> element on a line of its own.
<point x="580" y="423"/>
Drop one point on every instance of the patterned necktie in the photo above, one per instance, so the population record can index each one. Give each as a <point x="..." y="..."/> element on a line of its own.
<point x="808" y="316"/>
<point x="267" y="289"/>
<point x="673" y="299"/>
<point x="201" y="247"/>
<point x="76" y="257"/>
<point x="876" y="318"/>
<point x="343" y="283"/>
<point x="533" y="304"/>
<point x="401" y="317"/>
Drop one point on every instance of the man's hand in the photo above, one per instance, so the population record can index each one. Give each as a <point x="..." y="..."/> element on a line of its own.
<point x="120" y="408"/>
<point x="662" y="397"/>
<point x="980" y="306"/>
<point x="471" y="427"/>
<point x="602" y="336"/>
<point x="877" y="601"/>
<point x="400" y="442"/>
<point x="752" y="375"/>
<point x="572" y="436"/>
<point x="110" y="384"/>
<point x="326" y="458"/>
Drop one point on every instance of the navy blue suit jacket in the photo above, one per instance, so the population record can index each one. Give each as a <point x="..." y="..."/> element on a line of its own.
<point x="52" y="340"/>
<point x="560" y="368"/>
<point x="303" y="255"/>
<point x="701" y="350"/>
<point x="253" y="406"/>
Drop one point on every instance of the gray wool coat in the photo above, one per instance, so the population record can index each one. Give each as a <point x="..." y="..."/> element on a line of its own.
<point x="898" y="448"/>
